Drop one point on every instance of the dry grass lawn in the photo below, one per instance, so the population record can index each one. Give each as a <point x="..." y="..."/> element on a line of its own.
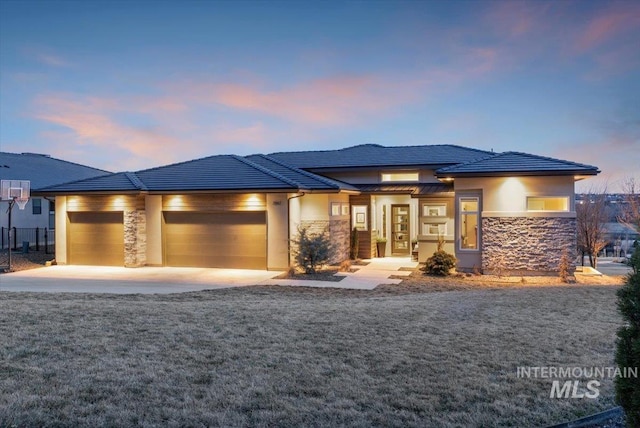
<point x="279" y="356"/>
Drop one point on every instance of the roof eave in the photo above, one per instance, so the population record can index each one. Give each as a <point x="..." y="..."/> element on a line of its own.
<point x="444" y="175"/>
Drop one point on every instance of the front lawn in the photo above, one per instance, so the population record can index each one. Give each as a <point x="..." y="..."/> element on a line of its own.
<point x="265" y="356"/>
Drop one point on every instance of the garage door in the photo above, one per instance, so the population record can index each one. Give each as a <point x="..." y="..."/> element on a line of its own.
<point x="96" y="238"/>
<point x="224" y="240"/>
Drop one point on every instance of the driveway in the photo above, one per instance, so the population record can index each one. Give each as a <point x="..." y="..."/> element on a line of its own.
<point x="120" y="280"/>
<point x="164" y="280"/>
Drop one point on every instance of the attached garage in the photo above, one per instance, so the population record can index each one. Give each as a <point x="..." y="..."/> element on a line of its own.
<point x="235" y="240"/>
<point x="95" y="238"/>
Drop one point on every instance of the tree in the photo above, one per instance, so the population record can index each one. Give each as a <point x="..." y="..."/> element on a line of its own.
<point x="591" y="216"/>
<point x="312" y="250"/>
<point x="628" y="344"/>
<point x="630" y="214"/>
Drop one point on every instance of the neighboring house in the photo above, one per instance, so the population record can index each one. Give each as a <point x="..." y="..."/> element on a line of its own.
<point x="42" y="171"/>
<point x="242" y="212"/>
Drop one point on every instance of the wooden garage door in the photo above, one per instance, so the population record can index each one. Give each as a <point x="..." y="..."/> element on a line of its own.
<point x="235" y="240"/>
<point x="96" y="238"/>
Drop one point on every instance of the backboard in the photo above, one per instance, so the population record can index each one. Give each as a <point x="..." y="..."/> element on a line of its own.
<point x="19" y="190"/>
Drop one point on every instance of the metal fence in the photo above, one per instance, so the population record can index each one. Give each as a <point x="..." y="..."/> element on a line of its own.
<point x="38" y="238"/>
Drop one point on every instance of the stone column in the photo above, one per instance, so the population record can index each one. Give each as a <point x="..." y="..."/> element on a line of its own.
<point x="135" y="238"/>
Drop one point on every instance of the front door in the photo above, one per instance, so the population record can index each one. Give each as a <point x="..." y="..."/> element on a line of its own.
<point x="400" y="238"/>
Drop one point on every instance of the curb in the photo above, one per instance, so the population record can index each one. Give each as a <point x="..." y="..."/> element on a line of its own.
<point x="592" y="419"/>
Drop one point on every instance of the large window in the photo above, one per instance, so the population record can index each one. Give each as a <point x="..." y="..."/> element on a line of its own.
<point x="469" y="216"/>
<point x="554" y="203"/>
<point x="403" y="177"/>
<point x="36" y="206"/>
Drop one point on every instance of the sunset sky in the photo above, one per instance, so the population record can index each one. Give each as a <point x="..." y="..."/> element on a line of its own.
<point x="125" y="85"/>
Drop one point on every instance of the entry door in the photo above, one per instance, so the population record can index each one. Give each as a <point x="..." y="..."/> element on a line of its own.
<point x="400" y="240"/>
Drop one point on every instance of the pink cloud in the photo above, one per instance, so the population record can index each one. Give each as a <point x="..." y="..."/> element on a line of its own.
<point x="335" y="100"/>
<point x="91" y="123"/>
<point x="608" y="24"/>
<point x="516" y="18"/>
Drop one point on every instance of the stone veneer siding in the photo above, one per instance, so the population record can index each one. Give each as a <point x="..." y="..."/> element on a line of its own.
<point x="528" y="243"/>
<point x="338" y="230"/>
<point x="135" y="238"/>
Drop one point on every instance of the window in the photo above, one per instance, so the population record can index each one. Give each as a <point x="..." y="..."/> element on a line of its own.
<point x="52" y="215"/>
<point x="36" y="206"/>
<point x="469" y="216"/>
<point x="338" y="208"/>
<point x="434" y="210"/>
<point x="548" y="203"/>
<point x="359" y="217"/>
<point x="399" y="176"/>
<point x="434" y="229"/>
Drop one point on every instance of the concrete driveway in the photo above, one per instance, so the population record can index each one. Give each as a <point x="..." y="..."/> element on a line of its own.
<point x="165" y="280"/>
<point x="119" y="280"/>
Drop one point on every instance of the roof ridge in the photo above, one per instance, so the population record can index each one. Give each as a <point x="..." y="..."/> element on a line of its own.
<point x="267" y="171"/>
<point x="320" y="178"/>
<point x="135" y="180"/>
<point x="457" y="165"/>
<point x="384" y="147"/>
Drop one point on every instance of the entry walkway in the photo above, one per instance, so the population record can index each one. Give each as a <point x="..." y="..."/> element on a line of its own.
<point x="365" y="278"/>
<point x="164" y="280"/>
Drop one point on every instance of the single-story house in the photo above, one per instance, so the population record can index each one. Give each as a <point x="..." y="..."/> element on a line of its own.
<point x="242" y="212"/>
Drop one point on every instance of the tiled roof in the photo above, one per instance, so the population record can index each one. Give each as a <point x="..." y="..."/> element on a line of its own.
<point x="43" y="170"/>
<point x="214" y="173"/>
<point x="374" y="155"/>
<point x="519" y="163"/>
<point x="120" y="181"/>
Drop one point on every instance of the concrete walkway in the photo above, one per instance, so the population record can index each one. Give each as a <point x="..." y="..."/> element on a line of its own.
<point x="365" y="278"/>
<point x="163" y="280"/>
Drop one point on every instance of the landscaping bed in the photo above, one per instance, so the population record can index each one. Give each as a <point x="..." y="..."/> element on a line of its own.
<point x="20" y="261"/>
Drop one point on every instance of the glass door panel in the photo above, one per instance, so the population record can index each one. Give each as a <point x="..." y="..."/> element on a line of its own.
<point x="400" y="240"/>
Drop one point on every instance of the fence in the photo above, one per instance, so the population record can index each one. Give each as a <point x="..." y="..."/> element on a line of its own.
<point x="39" y="238"/>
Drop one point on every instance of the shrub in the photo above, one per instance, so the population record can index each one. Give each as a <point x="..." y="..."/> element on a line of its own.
<point x="312" y="250"/>
<point x="345" y="266"/>
<point x="440" y="263"/>
<point x="628" y="344"/>
<point x="564" y="266"/>
<point x="354" y="244"/>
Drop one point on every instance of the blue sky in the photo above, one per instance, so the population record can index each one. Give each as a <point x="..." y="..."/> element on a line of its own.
<point x="124" y="85"/>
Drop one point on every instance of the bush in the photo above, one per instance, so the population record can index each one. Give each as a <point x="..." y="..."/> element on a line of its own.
<point x="440" y="263"/>
<point x="628" y="344"/>
<point x="564" y="271"/>
<point x="313" y="250"/>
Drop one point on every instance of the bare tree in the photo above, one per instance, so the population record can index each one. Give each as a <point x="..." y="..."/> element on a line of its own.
<point x="591" y="216"/>
<point x="630" y="214"/>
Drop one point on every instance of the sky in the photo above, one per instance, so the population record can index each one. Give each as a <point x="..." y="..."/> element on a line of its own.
<point x="126" y="85"/>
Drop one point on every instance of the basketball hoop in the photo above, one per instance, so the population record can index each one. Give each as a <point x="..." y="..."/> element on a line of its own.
<point x="21" y="203"/>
